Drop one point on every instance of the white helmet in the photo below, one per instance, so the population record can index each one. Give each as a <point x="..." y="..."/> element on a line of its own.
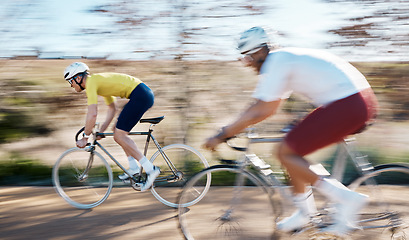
<point x="74" y="69"/>
<point x="252" y="39"/>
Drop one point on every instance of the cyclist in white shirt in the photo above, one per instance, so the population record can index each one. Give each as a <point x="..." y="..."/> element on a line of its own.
<point x="345" y="104"/>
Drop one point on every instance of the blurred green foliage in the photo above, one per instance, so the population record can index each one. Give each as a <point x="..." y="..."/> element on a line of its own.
<point x="21" y="110"/>
<point x="376" y="157"/>
<point x="16" y="124"/>
<point x="19" y="170"/>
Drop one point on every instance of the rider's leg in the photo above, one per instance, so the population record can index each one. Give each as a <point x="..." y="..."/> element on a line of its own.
<point x="133" y="163"/>
<point x="133" y="169"/>
<point x="140" y="100"/>
<point x="129" y="146"/>
<point x="300" y="176"/>
<point x="306" y="209"/>
<point x="297" y="167"/>
<point x="349" y="202"/>
<point x="324" y="126"/>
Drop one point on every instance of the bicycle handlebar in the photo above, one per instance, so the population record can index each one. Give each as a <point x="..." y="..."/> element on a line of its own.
<point x="253" y="137"/>
<point x="82" y="130"/>
<point x="232" y="146"/>
<point x="78" y="133"/>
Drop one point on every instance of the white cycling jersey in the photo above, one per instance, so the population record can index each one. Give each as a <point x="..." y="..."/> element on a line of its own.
<point x="318" y="75"/>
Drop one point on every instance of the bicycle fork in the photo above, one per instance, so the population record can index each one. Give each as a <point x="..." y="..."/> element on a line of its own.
<point x="84" y="175"/>
<point x="235" y="201"/>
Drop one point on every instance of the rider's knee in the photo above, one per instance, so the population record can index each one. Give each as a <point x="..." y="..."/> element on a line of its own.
<point x="118" y="136"/>
<point x="283" y="151"/>
<point x="279" y="151"/>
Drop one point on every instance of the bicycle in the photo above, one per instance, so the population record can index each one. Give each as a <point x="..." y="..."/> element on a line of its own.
<point x="247" y="197"/>
<point x="84" y="179"/>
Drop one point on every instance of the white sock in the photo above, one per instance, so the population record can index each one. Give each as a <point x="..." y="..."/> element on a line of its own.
<point x="146" y="164"/>
<point x="306" y="203"/>
<point x="333" y="189"/>
<point x="133" y="164"/>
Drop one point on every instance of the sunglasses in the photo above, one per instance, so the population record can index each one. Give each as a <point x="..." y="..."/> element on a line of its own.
<point x="251" y="51"/>
<point x="254" y="50"/>
<point x="71" y="79"/>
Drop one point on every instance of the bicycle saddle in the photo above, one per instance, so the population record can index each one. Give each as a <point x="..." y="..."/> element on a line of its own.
<point x="152" y="120"/>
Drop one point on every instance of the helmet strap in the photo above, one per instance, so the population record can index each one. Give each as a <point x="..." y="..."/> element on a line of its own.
<point x="79" y="83"/>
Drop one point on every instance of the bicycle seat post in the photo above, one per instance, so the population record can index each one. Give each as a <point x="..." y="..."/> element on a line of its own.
<point x="151" y="127"/>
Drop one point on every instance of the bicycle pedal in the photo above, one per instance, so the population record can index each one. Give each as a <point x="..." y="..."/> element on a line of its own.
<point x="137" y="186"/>
<point x="128" y="181"/>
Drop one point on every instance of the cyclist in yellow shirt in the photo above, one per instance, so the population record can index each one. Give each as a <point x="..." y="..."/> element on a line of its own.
<point x="109" y="86"/>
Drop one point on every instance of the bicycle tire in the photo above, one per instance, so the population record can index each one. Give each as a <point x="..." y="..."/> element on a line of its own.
<point x="93" y="189"/>
<point x="387" y="186"/>
<point x="187" y="160"/>
<point x="220" y="214"/>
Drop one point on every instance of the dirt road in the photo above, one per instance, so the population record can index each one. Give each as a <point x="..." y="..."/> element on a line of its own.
<point x="39" y="213"/>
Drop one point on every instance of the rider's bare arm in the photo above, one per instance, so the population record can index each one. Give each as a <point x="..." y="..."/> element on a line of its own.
<point x="91" y="118"/>
<point x="257" y="112"/>
<point x="110" y="115"/>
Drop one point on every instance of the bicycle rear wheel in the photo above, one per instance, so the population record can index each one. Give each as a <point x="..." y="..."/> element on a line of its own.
<point x="82" y="178"/>
<point x="237" y="206"/>
<point x="388" y="189"/>
<point x="187" y="161"/>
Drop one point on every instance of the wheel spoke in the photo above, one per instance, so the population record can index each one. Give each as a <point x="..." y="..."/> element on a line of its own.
<point x="227" y="211"/>
<point x="79" y="183"/>
<point x="186" y="162"/>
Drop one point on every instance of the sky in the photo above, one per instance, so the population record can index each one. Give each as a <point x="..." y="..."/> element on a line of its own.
<point x="147" y="29"/>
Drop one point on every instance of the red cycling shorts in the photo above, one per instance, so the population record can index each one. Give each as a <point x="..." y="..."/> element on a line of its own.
<point x="333" y="122"/>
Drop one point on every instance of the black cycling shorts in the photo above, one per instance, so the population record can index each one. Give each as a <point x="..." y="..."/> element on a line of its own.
<point x="140" y="100"/>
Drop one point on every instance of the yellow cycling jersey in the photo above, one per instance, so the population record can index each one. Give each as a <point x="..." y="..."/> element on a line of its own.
<point x="109" y="86"/>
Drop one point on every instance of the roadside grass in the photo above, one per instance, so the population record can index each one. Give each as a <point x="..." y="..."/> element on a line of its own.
<point x="15" y="125"/>
<point x="375" y="157"/>
<point x="20" y="170"/>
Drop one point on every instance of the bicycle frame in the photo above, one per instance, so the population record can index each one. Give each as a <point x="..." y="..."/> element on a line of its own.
<point x="344" y="150"/>
<point x="249" y="166"/>
<point x="250" y="159"/>
<point x="148" y="135"/>
<point x="360" y="162"/>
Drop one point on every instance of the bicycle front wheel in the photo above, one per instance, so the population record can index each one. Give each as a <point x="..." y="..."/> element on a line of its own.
<point x="178" y="163"/>
<point x="82" y="178"/>
<point x="237" y="206"/>
<point x="388" y="189"/>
